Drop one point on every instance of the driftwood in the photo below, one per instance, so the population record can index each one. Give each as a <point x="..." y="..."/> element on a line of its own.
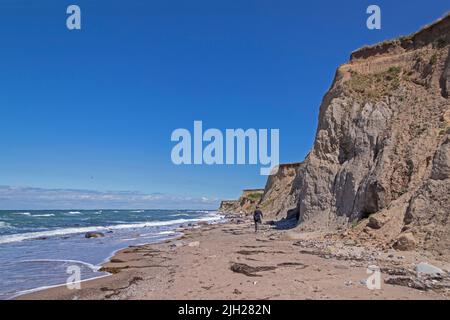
<point x="250" y="271"/>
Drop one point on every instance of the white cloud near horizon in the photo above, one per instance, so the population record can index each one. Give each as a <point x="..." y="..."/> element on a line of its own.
<point x="29" y="198"/>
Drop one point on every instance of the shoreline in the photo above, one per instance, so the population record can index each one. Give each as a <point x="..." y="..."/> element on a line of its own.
<point x="106" y="260"/>
<point x="228" y="261"/>
<point x="176" y="234"/>
<point x="35" y="290"/>
<point x="11" y="238"/>
<point x="36" y="263"/>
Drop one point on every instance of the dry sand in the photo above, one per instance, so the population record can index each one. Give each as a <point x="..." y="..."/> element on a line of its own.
<point x="206" y="263"/>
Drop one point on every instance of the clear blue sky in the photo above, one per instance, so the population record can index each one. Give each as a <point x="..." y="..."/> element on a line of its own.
<point x="94" y="109"/>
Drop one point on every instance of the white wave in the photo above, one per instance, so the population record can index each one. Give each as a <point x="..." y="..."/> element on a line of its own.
<point x="60" y="232"/>
<point x="73" y="213"/>
<point x="166" y="232"/>
<point x="138" y="211"/>
<point x="20" y="293"/>
<point x="4" y="224"/>
<point x="23" y="213"/>
<point x="43" y="215"/>
<point x="89" y="265"/>
<point x="150" y="235"/>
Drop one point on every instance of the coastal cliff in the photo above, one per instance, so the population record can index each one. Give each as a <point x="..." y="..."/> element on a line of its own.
<point x="278" y="199"/>
<point x="379" y="167"/>
<point x="381" y="150"/>
<point x="281" y="194"/>
<point x="246" y="203"/>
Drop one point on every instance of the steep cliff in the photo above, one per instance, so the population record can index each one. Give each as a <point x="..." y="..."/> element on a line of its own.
<point x="281" y="194"/>
<point x="278" y="199"/>
<point x="229" y="206"/>
<point x="246" y="203"/>
<point x="379" y="169"/>
<point x="382" y="145"/>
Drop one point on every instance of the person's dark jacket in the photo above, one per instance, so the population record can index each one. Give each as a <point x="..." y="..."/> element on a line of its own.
<point x="258" y="215"/>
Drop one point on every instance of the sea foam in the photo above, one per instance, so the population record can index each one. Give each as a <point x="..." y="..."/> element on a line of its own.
<point x="22" y="213"/>
<point x="43" y="215"/>
<point x="67" y="231"/>
<point x="4" y="224"/>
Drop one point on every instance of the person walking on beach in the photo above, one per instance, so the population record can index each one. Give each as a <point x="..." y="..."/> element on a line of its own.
<point x="257" y="217"/>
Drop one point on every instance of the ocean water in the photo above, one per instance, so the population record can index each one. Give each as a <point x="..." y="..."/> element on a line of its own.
<point x="37" y="247"/>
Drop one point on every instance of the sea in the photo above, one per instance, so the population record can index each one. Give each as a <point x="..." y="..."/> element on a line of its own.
<point x="39" y="249"/>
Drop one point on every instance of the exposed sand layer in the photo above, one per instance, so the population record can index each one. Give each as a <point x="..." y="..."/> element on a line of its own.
<point x="230" y="261"/>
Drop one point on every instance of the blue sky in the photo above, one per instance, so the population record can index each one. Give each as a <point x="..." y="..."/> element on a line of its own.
<point x="94" y="109"/>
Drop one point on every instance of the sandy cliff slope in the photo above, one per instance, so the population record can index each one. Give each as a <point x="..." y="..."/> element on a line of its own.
<point x="281" y="192"/>
<point x="380" y="163"/>
<point x="278" y="199"/>
<point x="381" y="152"/>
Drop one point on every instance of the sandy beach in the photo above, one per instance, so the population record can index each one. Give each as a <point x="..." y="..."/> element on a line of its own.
<point x="230" y="261"/>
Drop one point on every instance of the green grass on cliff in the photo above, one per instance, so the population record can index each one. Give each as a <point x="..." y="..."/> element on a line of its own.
<point x="255" y="196"/>
<point x="374" y="86"/>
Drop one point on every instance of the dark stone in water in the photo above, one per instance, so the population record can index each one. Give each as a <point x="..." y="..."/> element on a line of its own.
<point x="94" y="235"/>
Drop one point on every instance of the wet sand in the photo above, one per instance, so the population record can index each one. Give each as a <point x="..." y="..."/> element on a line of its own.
<point x="230" y="261"/>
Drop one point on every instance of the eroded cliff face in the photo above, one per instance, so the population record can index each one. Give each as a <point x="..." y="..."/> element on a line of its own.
<point x="281" y="195"/>
<point x="229" y="206"/>
<point x="277" y="200"/>
<point x="382" y="144"/>
<point x="379" y="169"/>
<point x="246" y="203"/>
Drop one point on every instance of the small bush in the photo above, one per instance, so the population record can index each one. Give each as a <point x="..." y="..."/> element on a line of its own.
<point x="374" y="86"/>
<point x="444" y="131"/>
<point x="433" y="59"/>
<point x="394" y="70"/>
<point x="255" y="196"/>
